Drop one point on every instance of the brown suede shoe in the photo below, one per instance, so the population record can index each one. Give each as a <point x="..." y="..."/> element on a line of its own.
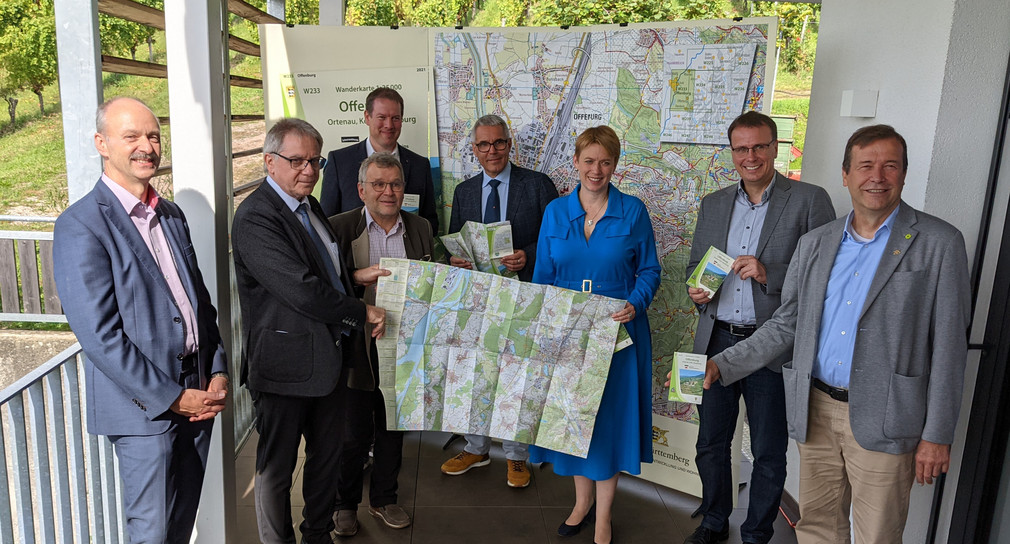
<point x="518" y="476"/>
<point x="464" y="462"/>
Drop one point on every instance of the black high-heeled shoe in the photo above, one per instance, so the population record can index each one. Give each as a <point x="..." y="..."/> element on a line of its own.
<point x="571" y="530"/>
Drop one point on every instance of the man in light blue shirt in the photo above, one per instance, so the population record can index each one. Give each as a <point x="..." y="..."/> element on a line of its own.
<point x="757" y="222"/>
<point x="855" y="265"/>
<point x="875" y="311"/>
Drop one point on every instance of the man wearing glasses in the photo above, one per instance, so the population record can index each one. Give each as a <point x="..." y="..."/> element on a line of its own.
<point x="384" y="117"/>
<point x="757" y="222"/>
<point x="503" y="191"/>
<point x="298" y="307"/>
<point x="378" y="229"/>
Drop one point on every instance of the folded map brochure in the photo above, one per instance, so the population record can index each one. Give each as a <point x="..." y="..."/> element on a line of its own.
<point x="483" y="245"/>
<point x="711" y="271"/>
<point x="688" y="377"/>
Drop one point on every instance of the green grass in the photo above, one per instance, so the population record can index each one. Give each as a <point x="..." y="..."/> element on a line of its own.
<point x="33" y="326"/>
<point x="786" y="81"/>
<point x="32" y="169"/>
<point x="33" y="178"/>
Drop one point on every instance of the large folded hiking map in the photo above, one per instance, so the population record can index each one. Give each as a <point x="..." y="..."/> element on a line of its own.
<point x="472" y="352"/>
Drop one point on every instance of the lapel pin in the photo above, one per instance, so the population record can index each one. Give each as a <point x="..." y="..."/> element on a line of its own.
<point x="908" y="236"/>
<point x="897" y="252"/>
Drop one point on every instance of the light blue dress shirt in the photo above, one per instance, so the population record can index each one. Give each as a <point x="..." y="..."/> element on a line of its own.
<point x="736" y="298"/>
<point x="503" y="189"/>
<point x="855" y="265"/>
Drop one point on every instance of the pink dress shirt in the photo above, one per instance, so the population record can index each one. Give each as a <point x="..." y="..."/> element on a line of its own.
<point x="146" y="220"/>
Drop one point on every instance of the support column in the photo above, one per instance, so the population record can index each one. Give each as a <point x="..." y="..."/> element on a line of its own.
<point x="199" y="107"/>
<point x="78" y="51"/>
<point x="331" y="12"/>
<point x="276" y="8"/>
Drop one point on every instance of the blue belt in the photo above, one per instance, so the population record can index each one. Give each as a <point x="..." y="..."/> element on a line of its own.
<point x="590" y="286"/>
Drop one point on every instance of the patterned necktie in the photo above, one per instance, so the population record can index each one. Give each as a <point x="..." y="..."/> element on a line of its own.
<point x="303" y="211"/>
<point x="492" y="210"/>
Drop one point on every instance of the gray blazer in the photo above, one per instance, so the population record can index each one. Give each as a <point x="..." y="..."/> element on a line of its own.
<point x="123" y="313"/>
<point x="794" y="209"/>
<point x="911" y="345"/>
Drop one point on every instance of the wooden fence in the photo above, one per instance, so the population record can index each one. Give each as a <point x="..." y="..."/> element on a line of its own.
<point x="27" y="283"/>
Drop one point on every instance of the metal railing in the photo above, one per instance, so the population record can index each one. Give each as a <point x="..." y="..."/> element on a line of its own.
<point x="64" y="482"/>
<point x="59" y="484"/>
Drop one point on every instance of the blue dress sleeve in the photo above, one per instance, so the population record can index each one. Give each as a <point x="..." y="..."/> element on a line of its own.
<point x="647" y="269"/>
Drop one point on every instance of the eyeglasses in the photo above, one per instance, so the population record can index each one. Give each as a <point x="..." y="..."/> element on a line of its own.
<point x="760" y="148"/>
<point x="498" y="144"/>
<point x="380" y="186"/>
<point x="300" y="163"/>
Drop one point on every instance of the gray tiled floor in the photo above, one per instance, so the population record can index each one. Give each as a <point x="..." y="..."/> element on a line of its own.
<point x="478" y="507"/>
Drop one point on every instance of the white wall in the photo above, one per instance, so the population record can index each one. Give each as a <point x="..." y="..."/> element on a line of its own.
<point x="939" y="67"/>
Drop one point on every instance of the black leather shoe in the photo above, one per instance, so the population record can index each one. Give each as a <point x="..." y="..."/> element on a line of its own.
<point x="704" y="535"/>
<point x="571" y="530"/>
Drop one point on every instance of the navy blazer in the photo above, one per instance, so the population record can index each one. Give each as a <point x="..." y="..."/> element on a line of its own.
<point x="120" y="307"/>
<point x="340" y="181"/>
<point x="529" y="194"/>
<point x="293" y="318"/>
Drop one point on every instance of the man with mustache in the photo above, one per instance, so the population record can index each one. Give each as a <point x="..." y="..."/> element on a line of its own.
<point x="133" y="294"/>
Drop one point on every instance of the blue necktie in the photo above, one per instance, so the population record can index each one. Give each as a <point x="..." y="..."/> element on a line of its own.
<point x="492" y="210"/>
<point x="303" y="211"/>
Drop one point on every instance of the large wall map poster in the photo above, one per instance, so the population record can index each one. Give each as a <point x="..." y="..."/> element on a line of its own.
<point x="651" y="84"/>
<point x="668" y="89"/>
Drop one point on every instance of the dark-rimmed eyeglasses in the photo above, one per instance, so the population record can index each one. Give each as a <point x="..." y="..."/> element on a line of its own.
<point x="499" y="144"/>
<point x="380" y="186"/>
<point x="299" y="163"/>
<point x="759" y="148"/>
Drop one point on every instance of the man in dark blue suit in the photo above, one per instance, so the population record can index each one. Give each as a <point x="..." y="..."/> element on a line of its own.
<point x="133" y="294"/>
<point x="523" y="195"/>
<point x="384" y="117"/>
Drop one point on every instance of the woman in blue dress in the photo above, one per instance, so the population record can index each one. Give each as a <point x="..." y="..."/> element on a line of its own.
<point x="600" y="234"/>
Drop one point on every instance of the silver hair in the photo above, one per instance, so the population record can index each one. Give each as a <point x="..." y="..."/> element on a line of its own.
<point x="103" y="109"/>
<point x="289" y="125"/>
<point x="380" y="159"/>
<point x="490" y="120"/>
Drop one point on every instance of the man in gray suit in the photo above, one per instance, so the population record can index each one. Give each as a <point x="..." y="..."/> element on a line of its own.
<point x="155" y="366"/>
<point x="875" y="310"/>
<point x="523" y="195"/>
<point x="757" y="222"/>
